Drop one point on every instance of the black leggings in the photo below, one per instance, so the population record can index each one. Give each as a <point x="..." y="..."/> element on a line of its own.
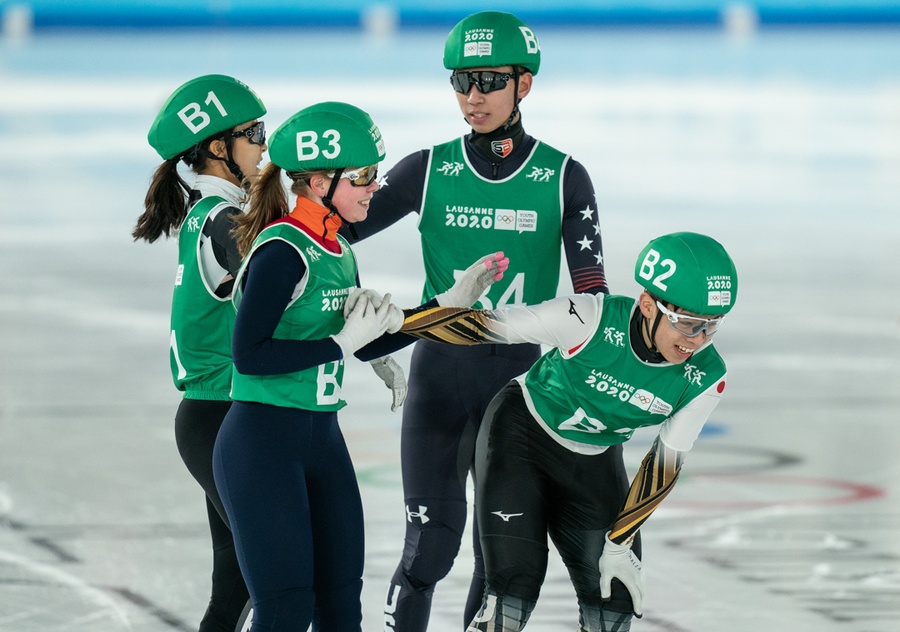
<point x="449" y="389"/>
<point x="529" y="486"/>
<point x="197" y="423"/>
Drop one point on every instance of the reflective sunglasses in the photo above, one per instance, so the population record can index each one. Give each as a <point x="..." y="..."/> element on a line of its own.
<point x="362" y="177"/>
<point x="485" y="80"/>
<point x="690" y="326"/>
<point x="256" y="133"/>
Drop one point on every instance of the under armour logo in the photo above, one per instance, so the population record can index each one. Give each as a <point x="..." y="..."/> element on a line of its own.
<point x="506" y="516"/>
<point x="410" y="514"/>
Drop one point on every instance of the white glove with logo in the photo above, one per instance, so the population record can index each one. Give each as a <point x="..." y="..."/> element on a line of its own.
<point x="474" y="281"/>
<point x="620" y="562"/>
<point x="395" y="316"/>
<point x="364" y="324"/>
<point x="392" y="375"/>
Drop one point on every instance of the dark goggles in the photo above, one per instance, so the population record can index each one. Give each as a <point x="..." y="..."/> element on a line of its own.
<point x="362" y="177"/>
<point x="485" y="80"/>
<point x="256" y="133"/>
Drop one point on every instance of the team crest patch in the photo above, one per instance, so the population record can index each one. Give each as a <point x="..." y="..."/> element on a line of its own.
<point x="502" y="147"/>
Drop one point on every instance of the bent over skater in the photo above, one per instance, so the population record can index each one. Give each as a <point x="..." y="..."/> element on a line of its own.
<point x="549" y="452"/>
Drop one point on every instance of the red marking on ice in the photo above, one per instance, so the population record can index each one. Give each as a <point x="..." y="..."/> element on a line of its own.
<point x="846" y="492"/>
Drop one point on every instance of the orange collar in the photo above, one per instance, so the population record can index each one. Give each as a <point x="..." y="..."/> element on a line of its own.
<point x="310" y="215"/>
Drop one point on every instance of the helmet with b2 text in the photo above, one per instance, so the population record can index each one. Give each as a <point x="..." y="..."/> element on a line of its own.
<point x="492" y="39"/>
<point x="199" y="109"/>
<point x="327" y="136"/>
<point x="688" y="270"/>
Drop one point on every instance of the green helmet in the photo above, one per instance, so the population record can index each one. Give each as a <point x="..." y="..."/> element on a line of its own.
<point x="689" y="270"/>
<point x="201" y="108"/>
<point x="329" y="135"/>
<point x="492" y="38"/>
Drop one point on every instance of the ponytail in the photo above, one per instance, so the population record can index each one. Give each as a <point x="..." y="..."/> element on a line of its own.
<point x="165" y="205"/>
<point x="268" y="202"/>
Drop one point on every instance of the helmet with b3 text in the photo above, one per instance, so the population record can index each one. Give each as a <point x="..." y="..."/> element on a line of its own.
<point x="327" y="136"/>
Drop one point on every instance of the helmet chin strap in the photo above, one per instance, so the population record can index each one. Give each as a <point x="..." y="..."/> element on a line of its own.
<point x="228" y="160"/>
<point x="515" y="110"/>
<point x="327" y="203"/>
<point x="651" y="331"/>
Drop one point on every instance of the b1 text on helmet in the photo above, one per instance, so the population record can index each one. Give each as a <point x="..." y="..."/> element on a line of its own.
<point x="193" y="116"/>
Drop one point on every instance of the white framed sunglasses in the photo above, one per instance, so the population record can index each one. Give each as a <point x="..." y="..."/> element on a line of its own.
<point x="690" y="326"/>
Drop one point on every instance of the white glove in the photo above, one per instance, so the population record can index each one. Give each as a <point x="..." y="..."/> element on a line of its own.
<point x="364" y="324"/>
<point x="373" y="297"/>
<point x="620" y="562"/>
<point x="395" y="319"/>
<point x="395" y="316"/>
<point x="474" y="280"/>
<point x="392" y="375"/>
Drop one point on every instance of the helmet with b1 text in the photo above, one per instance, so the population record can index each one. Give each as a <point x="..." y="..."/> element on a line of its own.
<point x="200" y="109"/>
<point x="688" y="270"/>
<point x="327" y="136"/>
<point x="492" y="38"/>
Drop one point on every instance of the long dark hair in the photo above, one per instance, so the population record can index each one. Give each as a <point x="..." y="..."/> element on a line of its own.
<point x="166" y="202"/>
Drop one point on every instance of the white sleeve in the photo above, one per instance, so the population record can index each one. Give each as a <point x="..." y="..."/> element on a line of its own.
<point x="566" y="322"/>
<point x="681" y="429"/>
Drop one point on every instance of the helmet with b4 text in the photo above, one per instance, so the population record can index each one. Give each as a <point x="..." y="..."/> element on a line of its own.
<point x="492" y="38"/>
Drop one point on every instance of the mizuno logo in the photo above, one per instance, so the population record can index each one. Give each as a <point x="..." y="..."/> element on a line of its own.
<point x="506" y="516"/>
<point x="572" y="311"/>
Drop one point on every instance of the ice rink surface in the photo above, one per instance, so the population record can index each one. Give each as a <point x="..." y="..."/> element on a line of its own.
<point x="785" y="146"/>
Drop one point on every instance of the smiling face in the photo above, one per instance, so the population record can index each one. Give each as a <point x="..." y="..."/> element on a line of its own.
<point x="673" y="345"/>
<point x="487" y="112"/>
<point x="352" y="202"/>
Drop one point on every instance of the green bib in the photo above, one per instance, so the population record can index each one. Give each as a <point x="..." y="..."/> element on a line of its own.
<point x="465" y="216"/>
<point x="201" y="322"/>
<point x="604" y="392"/>
<point x="315" y="312"/>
